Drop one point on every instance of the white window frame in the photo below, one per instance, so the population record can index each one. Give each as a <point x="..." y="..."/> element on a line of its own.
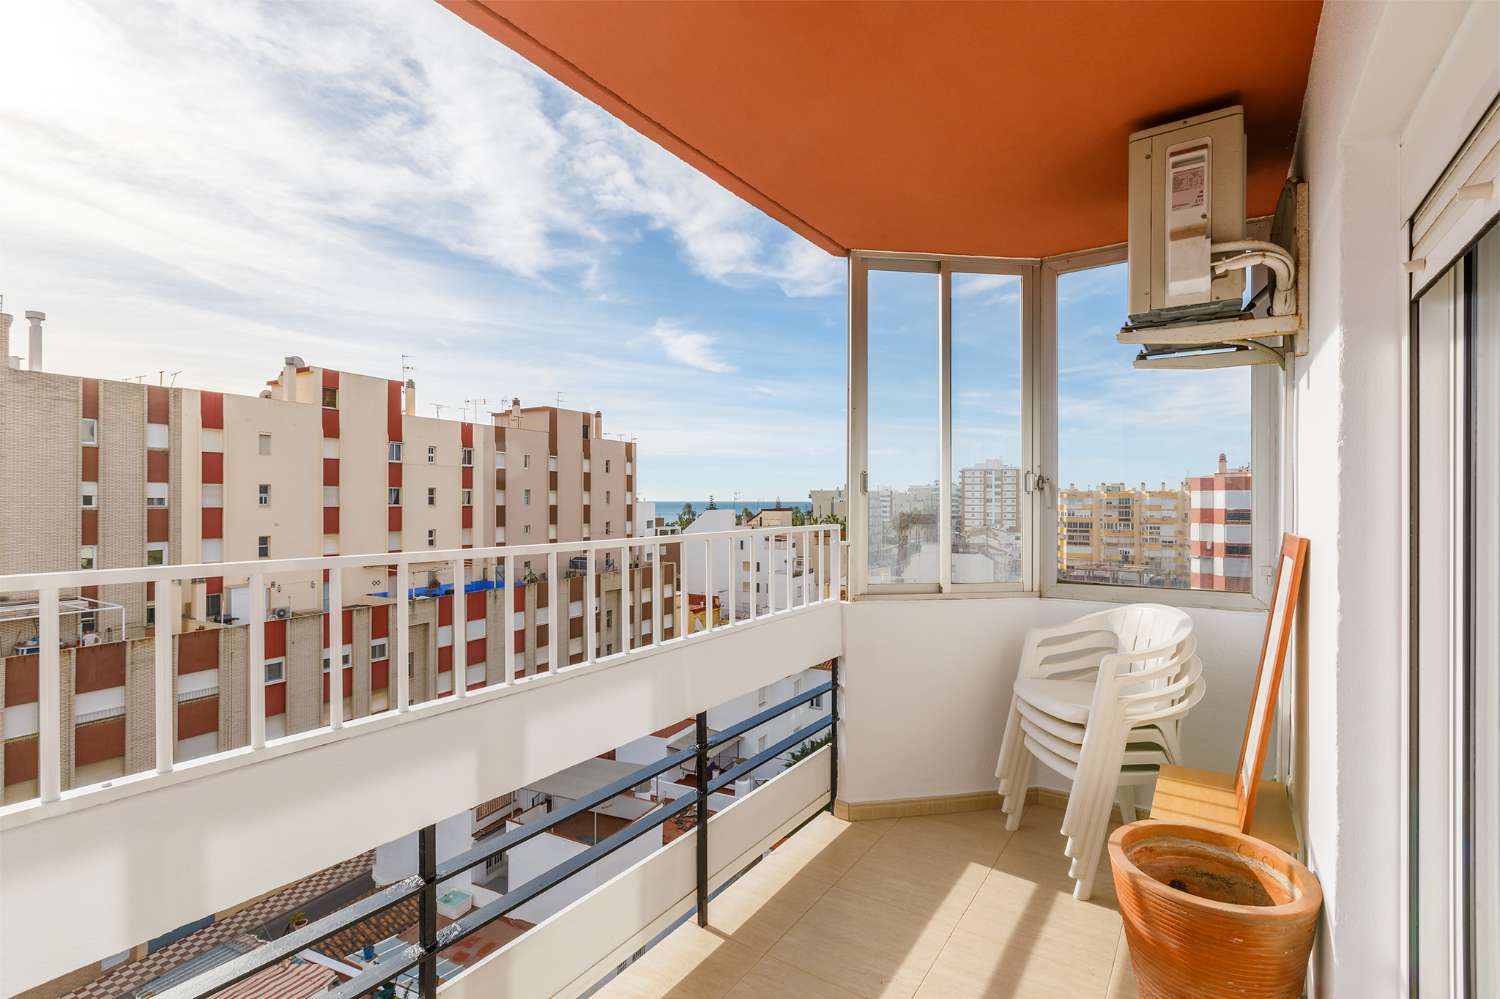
<point x="156" y="494"/>
<point x="280" y="665"/>
<point x="394" y="450"/>
<point x="466" y="457"/>
<point x="1039" y="392"/>
<point x="432" y="454"/>
<point x="380" y="649"/>
<point x="154" y="547"/>
<point x="263" y="444"/>
<point x="88" y="431"/>
<point x="262" y="550"/>
<point x="88" y="556"/>
<point x="88" y="495"/>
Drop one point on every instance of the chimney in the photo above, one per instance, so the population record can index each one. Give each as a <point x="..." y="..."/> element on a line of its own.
<point x="1223" y="462"/>
<point x="34" y="348"/>
<point x="289" y="366"/>
<point x="411" y="397"/>
<point x="598" y="424"/>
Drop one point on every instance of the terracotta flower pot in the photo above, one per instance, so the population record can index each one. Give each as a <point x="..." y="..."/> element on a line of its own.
<point x="1211" y="913"/>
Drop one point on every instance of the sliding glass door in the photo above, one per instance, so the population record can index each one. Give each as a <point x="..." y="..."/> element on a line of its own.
<point x="1454" y="821"/>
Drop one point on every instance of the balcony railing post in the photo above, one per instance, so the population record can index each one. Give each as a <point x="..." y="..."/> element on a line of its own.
<point x="403" y="638"/>
<point x="508" y="599"/>
<point x="460" y="632"/>
<point x="257" y="678"/>
<point x="427" y="910"/>
<point x="168" y="609"/>
<point x="702" y="822"/>
<point x="833" y="739"/>
<point x="335" y="614"/>
<point x="49" y="698"/>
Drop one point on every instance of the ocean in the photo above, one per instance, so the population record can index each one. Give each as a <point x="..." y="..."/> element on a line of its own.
<point x="670" y="508"/>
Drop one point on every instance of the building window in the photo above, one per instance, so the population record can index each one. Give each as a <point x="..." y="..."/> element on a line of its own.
<point x="213" y="550"/>
<point x="88" y="431"/>
<point x="264" y="443"/>
<point x="606" y="529"/>
<point x="213" y="607"/>
<point x="468" y="497"/>
<point x="393" y="451"/>
<point x="263" y="546"/>
<point x="344" y="660"/>
<point x="87" y="555"/>
<point x="151" y="615"/>
<point x="330" y="495"/>
<point x="158" y="436"/>
<point x="431" y="454"/>
<point x="330" y="398"/>
<point x="467" y="457"/>
<point x="156" y="553"/>
<point x="156" y="494"/>
<point x="393" y="496"/>
<point x="379" y="650"/>
<point x="211" y="441"/>
<point x="432" y="495"/>
<point x="393" y="541"/>
<point x="606" y="466"/>
<point x="526" y="497"/>
<point x="526" y="530"/>
<point x="88" y="495"/>
<point x="525" y="461"/>
<point x="264" y="494"/>
<point x="432" y="537"/>
<point x="275" y="670"/>
<point x="606" y="495"/>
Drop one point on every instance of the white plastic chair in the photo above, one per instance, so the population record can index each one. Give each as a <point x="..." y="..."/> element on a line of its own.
<point x="1057" y="664"/>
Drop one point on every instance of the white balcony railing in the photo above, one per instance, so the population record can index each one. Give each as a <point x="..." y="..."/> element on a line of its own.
<point x="818" y="545"/>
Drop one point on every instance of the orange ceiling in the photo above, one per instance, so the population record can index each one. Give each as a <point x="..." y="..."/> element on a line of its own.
<point x="990" y="129"/>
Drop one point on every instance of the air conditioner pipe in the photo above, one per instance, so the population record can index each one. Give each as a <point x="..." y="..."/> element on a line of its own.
<point x="1255" y="251"/>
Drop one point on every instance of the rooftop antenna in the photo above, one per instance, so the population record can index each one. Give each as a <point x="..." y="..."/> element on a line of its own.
<point x="438" y="408"/>
<point x="407" y="367"/>
<point x="559" y="400"/>
<point x="476" y="403"/>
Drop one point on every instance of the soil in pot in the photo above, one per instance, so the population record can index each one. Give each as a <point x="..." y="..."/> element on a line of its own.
<point x="1211" y="872"/>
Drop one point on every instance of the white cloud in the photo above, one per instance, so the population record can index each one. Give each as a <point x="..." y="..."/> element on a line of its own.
<point x="696" y="350"/>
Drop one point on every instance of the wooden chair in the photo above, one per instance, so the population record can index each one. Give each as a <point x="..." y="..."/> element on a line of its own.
<point x="1240" y="801"/>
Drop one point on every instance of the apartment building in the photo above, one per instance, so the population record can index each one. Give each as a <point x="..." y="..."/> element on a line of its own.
<point x="989" y="496"/>
<point x="828" y="503"/>
<point x="1122" y="534"/>
<point x="1220" y="529"/>
<point x="321" y="462"/>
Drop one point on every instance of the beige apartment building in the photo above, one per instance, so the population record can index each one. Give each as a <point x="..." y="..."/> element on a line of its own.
<point x="1121" y="534"/>
<point x="120" y="474"/>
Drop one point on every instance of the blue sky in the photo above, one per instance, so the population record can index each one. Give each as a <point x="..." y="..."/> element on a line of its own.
<point x="205" y="186"/>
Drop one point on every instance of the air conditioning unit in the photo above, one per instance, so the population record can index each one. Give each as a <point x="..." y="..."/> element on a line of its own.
<point x="1187" y="193"/>
<point x="1190" y="260"/>
<point x="281" y="613"/>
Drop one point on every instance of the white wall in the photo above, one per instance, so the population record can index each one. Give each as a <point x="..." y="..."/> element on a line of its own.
<point x="1372" y="70"/>
<point x="398" y="858"/>
<point x="927" y="684"/>
<point x="541" y="853"/>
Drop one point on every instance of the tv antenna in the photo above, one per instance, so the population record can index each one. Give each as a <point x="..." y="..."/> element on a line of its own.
<point x="559" y="400"/>
<point x="407" y="367"/>
<point x="438" y="407"/>
<point x="476" y="403"/>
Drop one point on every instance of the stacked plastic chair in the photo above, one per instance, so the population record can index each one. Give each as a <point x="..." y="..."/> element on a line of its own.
<point x="1101" y="702"/>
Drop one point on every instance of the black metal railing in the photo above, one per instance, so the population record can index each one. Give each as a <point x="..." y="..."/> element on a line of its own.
<point x="423" y="886"/>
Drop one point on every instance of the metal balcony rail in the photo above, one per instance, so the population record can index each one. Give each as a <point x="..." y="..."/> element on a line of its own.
<point x="423" y="886"/>
<point x="820" y="543"/>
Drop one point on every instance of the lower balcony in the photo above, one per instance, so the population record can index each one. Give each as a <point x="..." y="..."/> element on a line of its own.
<point x="937" y="907"/>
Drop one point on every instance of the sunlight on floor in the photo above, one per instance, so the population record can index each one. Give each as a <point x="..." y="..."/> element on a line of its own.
<point x="938" y="906"/>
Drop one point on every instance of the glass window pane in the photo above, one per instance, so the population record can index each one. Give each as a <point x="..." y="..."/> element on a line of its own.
<point x="986" y="311"/>
<point x="1154" y="480"/>
<point x="903" y="427"/>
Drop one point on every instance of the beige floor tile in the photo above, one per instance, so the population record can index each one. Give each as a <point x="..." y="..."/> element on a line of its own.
<point x="974" y="966"/>
<point x="827" y="847"/>
<point x="763" y="904"/>
<point x="692" y="963"/>
<point x="771" y="979"/>
<point x="1009" y="909"/>
<point x="1025" y="859"/>
<point x="871" y="948"/>
<point x="917" y="878"/>
<point x="1122" y="976"/>
<point x="971" y="835"/>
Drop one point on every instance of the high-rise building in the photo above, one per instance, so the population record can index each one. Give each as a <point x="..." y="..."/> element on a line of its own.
<point x="1121" y="534"/>
<point x="989" y="496"/>
<point x="1220" y="530"/>
<point x="828" y="503"/>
